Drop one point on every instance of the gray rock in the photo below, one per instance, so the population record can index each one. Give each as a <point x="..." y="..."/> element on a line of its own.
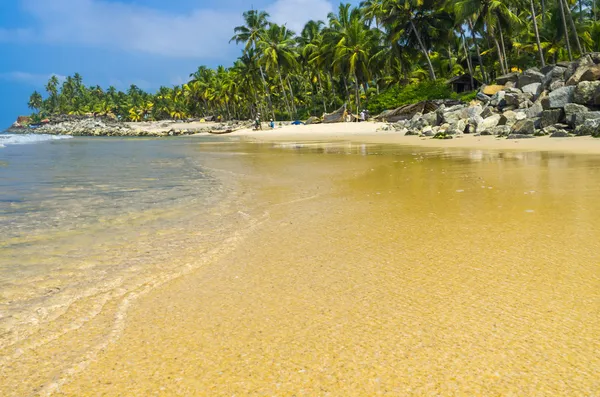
<point x="500" y="130"/>
<point x="576" y="70"/>
<point x="457" y="128"/>
<point x="579" y="119"/>
<point x="591" y="74"/>
<point x="586" y="92"/>
<point x="471" y="111"/>
<point x="590" y="127"/>
<point x="559" y="98"/>
<point x="571" y="109"/>
<point x="560" y="134"/>
<point x="510" y="77"/>
<point x="535" y="89"/>
<point x="488" y="123"/>
<point x="551" y="117"/>
<point x="431" y="118"/>
<point x="534" y="109"/>
<point x="427" y="131"/>
<point x="482" y="97"/>
<point x="524" y="127"/>
<point x="510" y="117"/>
<point x="498" y="99"/>
<point x="487" y="112"/>
<point x="556" y="84"/>
<point x="530" y="76"/>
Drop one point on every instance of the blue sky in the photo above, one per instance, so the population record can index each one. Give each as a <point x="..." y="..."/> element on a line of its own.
<point x="119" y="42"/>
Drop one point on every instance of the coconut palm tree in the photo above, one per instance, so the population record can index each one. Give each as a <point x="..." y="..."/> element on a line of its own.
<point x="35" y="101"/>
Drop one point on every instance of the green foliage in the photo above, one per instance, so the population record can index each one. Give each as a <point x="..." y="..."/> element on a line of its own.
<point x="412" y="93"/>
<point x="442" y="135"/>
<point x="465" y="96"/>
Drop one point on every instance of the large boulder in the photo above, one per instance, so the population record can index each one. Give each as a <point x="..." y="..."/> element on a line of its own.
<point x="510" y="77"/>
<point x="576" y="70"/>
<point x="559" y="98"/>
<point x="501" y="130"/>
<point x="530" y="76"/>
<point x="535" y="110"/>
<point x="571" y="109"/>
<point x="516" y="99"/>
<point x="457" y="128"/>
<point x="551" y="117"/>
<point x="510" y="117"/>
<point x="524" y="127"/>
<point x="591" y="74"/>
<point x="535" y="89"/>
<point x="488" y="123"/>
<point x="586" y="93"/>
<point x="581" y="118"/>
<point x="498" y="99"/>
<point x="472" y="111"/>
<point x="492" y="89"/>
<point x="556" y="84"/>
<point x="590" y="127"/>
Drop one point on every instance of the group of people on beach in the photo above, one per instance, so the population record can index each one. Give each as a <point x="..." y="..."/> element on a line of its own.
<point x="258" y="124"/>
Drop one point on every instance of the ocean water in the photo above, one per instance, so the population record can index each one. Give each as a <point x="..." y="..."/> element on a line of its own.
<point x="186" y="265"/>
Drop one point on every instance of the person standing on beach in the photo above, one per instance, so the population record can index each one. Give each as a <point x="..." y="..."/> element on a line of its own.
<point x="362" y="116"/>
<point x="257" y="124"/>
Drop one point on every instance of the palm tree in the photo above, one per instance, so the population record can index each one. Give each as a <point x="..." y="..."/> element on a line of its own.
<point x="35" y="101"/>
<point x="256" y="23"/>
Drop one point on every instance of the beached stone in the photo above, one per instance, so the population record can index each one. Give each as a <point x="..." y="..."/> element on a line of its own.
<point x="457" y="128"/>
<point x="559" y="98"/>
<point x="482" y="97"/>
<point x="589" y="127"/>
<point x="530" y="76"/>
<point x="535" y="89"/>
<point x="534" y="109"/>
<point x="500" y="130"/>
<point x="591" y="74"/>
<point x="498" y="99"/>
<point x="487" y="123"/>
<point x="487" y="112"/>
<point x="427" y="131"/>
<point x="556" y="84"/>
<point x="492" y="89"/>
<point x="472" y="111"/>
<point x="524" y="127"/>
<point x="431" y="118"/>
<point x="510" y="117"/>
<point x="560" y="134"/>
<point x="312" y="120"/>
<point x="586" y="92"/>
<point x="512" y="77"/>
<point x="579" y="119"/>
<point x="577" y="69"/>
<point x="551" y="117"/>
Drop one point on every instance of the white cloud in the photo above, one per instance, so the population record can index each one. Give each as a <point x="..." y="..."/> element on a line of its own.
<point x="295" y="13"/>
<point x="33" y="79"/>
<point x="130" y="27"/>
<point x="200" y="33"/>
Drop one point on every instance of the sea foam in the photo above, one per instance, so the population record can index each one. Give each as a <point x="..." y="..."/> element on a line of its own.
<point x="23" y="139"/>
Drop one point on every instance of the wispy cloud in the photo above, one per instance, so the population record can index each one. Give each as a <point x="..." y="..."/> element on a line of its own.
<point x="33" y="79"/>
<point x="295" y="13"/>
<point x="200" y="33"/>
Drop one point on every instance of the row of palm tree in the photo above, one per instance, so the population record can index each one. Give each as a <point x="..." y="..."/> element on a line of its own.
<point x="354" y="55"/>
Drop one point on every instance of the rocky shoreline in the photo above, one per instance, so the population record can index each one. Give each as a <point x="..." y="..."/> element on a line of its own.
<point x="106" y="126"/>
<point x="560" y="100"/>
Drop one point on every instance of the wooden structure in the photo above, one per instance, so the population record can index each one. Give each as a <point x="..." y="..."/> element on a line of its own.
<point x="464" y="83"/>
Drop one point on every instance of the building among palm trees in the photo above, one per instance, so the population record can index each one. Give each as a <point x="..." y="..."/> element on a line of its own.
<point x="464" y="83"/>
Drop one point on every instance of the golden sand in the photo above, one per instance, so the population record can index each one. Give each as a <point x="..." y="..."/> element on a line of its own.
<point x="369" y="270"/>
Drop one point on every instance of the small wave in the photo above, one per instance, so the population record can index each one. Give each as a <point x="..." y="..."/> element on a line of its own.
<point x="24" y="139"/>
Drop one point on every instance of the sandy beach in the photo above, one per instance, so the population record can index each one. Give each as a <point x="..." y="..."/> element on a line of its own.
<point x="370" y="132"/>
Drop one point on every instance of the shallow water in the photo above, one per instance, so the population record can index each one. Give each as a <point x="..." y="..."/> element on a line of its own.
<point x="306" y="269"/>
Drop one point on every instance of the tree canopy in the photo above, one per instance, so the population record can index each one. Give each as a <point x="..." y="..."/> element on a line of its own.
<point x="354" y="56"/>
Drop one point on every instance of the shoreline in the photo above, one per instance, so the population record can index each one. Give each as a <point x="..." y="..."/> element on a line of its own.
<point x="370" y="133"/>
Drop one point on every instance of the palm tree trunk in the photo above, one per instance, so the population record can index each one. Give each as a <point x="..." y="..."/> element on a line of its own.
<point x="468" y="56"/>
<point x="564" y="21"/>
<point x="572" y="22"/>
<point x="357" y="93"/>
<point x="322" y="91"/>
<point x="423" y="49"/>
<point x="500" y="57"/>
<point x="483" y="74"/>
<point x="537" y="33"/>
<point x="503" y="47"/>
<point x="267" y="91"/>
<point x="543" y="11"/>
<point x="292" y="96"/>
<point x="285" y="99"/>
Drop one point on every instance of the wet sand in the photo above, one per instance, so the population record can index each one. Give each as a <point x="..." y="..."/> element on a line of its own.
<point x="369" y="132"/>
<point x="359" y="270"/>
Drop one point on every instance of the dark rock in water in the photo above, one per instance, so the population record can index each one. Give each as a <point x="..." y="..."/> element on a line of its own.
<point x="551" y="117"/>
<point x="512" y="77"/>
<point x="559" y="98"/>
<point x="589" y="127"/>
<point x="586" y="92"/>
<point x="519" y="136"/>
<point x="530" y="76"/>
<point x="524" y="127"/>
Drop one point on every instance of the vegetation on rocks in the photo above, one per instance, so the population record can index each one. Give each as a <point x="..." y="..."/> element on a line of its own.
<point x="378" y="55"/>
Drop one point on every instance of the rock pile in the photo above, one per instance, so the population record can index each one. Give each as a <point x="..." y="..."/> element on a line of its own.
<point x="558" y="100"/>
